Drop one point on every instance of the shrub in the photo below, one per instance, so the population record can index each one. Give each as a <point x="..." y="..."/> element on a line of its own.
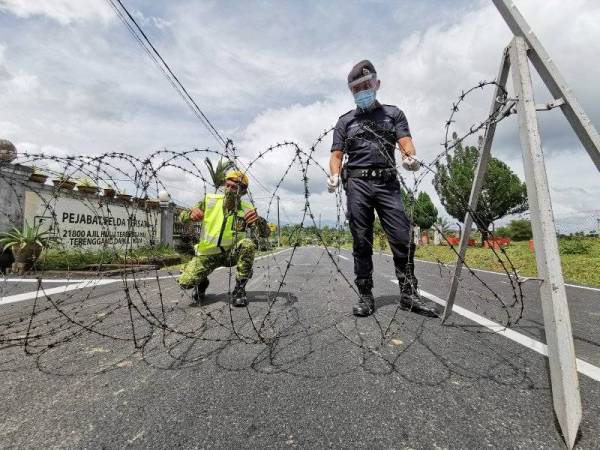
<point x="573" y="246"/>
<point x="520" y="230"/>
<point x="503" y="231"/>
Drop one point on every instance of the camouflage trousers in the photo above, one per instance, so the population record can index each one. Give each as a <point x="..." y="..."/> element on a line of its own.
<point x="200" y="267"/>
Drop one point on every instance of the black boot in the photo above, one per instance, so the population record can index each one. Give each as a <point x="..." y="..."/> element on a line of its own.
<point x="409" y="296"/>
<point x="366" y="302"/>
<point x="239" y="293"/>
<point x="199" y="293"/>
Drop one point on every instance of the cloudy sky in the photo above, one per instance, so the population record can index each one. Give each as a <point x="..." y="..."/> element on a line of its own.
<point x="73" y="81"/>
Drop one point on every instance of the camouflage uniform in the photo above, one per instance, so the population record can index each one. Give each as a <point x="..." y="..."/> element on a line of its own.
<point x="196" y="271"/>
<point x="200" y="267"/>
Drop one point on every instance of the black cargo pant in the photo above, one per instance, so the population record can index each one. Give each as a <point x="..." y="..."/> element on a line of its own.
<point x="364" y="196"/>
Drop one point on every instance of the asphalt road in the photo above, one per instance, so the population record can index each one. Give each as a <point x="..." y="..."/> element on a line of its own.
<point x="295" y="369"/>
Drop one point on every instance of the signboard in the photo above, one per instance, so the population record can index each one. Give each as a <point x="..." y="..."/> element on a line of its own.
<point x="87" y="224"/>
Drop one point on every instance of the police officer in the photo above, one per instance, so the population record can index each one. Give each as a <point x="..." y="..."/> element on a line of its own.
<point x="368" y="136"/>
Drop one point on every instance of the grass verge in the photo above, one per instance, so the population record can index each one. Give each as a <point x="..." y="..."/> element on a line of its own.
<point x="54" y="259"/>
<point x="581" y="267"/>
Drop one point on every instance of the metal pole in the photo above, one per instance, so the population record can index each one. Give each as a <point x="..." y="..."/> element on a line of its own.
<point x="557" y="323"/>
<point x="278" y="225"/>
<point x="580" y="122"/>
<point x="478" y="178"/>
<point x="166" y="225"/>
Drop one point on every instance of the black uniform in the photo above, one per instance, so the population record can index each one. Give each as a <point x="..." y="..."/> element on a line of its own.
<point x="369" y="139"/>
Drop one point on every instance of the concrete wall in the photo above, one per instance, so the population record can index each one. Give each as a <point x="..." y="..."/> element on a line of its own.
<point x="15" y="184"/>
<point x="14" y="180"/>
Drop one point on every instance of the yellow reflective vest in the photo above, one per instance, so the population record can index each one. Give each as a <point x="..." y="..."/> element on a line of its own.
<point x="218" y="233"/>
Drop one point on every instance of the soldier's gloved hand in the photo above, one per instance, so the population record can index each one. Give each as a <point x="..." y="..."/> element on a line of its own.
<point x="250" y="217"/>
<point x="410" y="163"/>
<point x="196" y="215"/>
<point x="333" y="182"/>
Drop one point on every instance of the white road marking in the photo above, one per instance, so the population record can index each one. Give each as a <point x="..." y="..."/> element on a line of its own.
<point x="82" y="280"/>
<point x="81" y="284"/>
<point x="583" y="367"/>
<point x="343" y="257"/>
<point x="56" y="290"/>
<point x="578" y="286"/>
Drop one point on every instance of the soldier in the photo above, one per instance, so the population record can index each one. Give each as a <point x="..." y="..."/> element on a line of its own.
<point x="368" y="136"/>
<point x="222" y="240"/>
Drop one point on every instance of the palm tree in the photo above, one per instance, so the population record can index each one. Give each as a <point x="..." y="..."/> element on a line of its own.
<point x="218" y="174"/>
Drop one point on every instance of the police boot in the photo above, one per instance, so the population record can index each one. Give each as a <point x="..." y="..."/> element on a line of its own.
<point x="199" y="293"/>
<point x="366" y="302"/>
<point x="239" y="293"/>
<point x="409" y="296"/>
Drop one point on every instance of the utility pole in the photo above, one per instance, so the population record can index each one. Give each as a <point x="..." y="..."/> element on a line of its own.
<point x="278" y="225"/>
<point x="319" y="221"/>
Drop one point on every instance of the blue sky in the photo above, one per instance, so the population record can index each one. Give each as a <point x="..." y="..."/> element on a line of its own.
<point x="73" y="81"/>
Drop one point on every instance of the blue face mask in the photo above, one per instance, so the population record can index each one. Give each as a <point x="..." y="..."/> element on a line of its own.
<point x="364" y="99"/>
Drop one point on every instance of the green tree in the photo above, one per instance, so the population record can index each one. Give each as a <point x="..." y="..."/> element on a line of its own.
<point x="425" y="213"/>
<point x="503" y="192"/>
<point x="217" y="174"/>
<point x="421" y="210"/>
<point x="517" y="230"/>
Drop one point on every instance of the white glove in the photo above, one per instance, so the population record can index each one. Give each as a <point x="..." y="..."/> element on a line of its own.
<point x="333" y="182"/>
<point x="410" y="163"/>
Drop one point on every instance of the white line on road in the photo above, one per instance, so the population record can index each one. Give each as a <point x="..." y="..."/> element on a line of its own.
<point x="343" y="257"/>
<point x="83" y="280"/>
<point x="578" y="286"/>
<point x="583" y="367"/>
<point x="56" y="290"/>
<point x="81" y="284"/>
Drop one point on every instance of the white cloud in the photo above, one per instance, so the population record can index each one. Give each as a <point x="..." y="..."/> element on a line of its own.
<point x="265" y="79"/>
<point x="427" y="72"/>
<point x="63" y="11"/>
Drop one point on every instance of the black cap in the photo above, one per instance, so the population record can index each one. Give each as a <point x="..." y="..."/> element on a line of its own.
<point x="360" y="70"/>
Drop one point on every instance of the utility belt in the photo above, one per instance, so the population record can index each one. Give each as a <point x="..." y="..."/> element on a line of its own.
<point x="372" y="172"/>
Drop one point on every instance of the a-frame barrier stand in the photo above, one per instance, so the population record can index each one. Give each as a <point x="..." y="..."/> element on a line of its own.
<point x="526" y="47"/>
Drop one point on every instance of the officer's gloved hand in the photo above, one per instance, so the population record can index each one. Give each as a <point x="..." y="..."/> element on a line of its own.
<point x="410" y="163"/>
<point x="333" y="182"/>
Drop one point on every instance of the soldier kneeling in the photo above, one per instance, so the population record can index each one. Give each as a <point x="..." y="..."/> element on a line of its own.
<point x="223" y="240"/>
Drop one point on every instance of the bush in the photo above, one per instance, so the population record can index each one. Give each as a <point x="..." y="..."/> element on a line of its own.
<point x="55" y="259"/>
<point x="573" y="246"/>
<point x="517" y="230"/>
<point x="503" y="231"/>
<point x="520" y="230"/>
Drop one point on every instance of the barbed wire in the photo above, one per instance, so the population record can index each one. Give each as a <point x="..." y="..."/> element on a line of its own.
<point x="148" y="307"/>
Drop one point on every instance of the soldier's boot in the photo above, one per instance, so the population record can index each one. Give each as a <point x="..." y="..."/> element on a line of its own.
<point x="199" y="293"/>
<point x="366" y="302"/>
<point x="409" y="294"/>
<point x="238" y="296"/>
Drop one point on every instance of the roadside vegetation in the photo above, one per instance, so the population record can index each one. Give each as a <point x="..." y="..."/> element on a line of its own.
<point x="55" y="259"/>
<point x="580" y="258"/>
<point x="580" y="255"/>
